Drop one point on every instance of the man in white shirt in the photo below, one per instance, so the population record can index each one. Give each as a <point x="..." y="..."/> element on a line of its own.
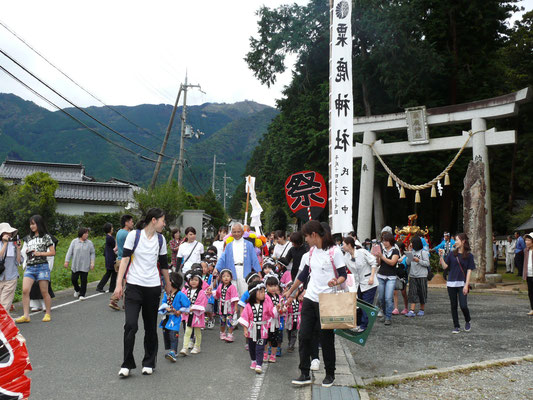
<point x="509" y="255"/>
<point x="239" y="257"/>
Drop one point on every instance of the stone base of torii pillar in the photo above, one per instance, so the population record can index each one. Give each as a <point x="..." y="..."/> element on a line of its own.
<point x="475" y="112"/>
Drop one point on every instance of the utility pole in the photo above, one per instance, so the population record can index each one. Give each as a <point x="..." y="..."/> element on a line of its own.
<point x="164" y="145"/>
<point x="214" y="171"/>
<point x="225" y="188"/>
<point x="185" y="87"/>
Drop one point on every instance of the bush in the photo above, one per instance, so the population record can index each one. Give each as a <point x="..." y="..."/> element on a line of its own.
<point x="69" y="224"/>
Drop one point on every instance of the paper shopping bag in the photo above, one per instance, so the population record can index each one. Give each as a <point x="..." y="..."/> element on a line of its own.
<point x="338" y="310"/>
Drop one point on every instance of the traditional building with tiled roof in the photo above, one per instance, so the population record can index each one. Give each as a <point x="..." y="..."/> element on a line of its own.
<point x="77" y="193"/>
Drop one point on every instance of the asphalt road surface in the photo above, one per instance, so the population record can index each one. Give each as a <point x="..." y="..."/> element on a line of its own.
<point x="78" y="355"/>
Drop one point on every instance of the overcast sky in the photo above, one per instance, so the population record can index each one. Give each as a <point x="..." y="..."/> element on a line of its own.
<point x="134" y="52"/>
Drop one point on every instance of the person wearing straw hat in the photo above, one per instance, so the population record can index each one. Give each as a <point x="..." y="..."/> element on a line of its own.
<point x="527" y="271"/>
<point x="10" y="259"/>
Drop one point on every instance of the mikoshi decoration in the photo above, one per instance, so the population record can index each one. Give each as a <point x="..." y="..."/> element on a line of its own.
<point x="306" y="194"/>
<point x="431" y="184"/>
<point x="407" y="232"/>
<point x="257" y="240"/>
<point x="14" y="360"/>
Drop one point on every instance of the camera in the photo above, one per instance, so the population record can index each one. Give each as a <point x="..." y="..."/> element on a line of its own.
<point x="14" y="239"/>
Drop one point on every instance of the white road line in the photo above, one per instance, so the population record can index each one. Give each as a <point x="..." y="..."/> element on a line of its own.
<point x="258" y="382"/>
<point x="66" y="304"/>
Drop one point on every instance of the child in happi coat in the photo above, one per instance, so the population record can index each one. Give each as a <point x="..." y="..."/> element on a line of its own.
<point x="195" y="318"/>
<point x="294" y="317"/>
<point x="210" y="308"/>
<point x="250" y="278"/>
<point x="255" y="319"/>
<point x="228" y="298"/>
<point x="285" y="276"/>
<point x="172" y="308"/>
<point x="275" y="333"/>
<point x="269" y="266"/>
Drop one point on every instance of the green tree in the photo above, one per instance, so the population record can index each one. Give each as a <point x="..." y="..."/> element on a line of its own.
<point x="35" y="196"/>
<point x="212" y="206"/>
<point x="169" y="197"/>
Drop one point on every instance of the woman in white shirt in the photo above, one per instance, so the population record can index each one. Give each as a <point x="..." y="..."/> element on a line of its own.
<point x="282" y="246"/>
<point x="363" y="266"/>
<point x="325" y="268"/>
<point x="219" y="243"/>
<point x="190" y="251"/>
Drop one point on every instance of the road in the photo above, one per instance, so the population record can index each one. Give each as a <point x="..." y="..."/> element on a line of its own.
<point x="78" y="355"/>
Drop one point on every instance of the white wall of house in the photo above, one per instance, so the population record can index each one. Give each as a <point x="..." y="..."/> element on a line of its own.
<point x="81" y="209"/>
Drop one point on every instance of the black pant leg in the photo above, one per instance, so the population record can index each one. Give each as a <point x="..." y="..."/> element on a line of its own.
<point x="327" y="339"/>
<point x="308" y="334"/>
<point x="132" y="308"/>
<point x="113" y="282"/>
<point x="104" y="280"/>
<point x="74" y="278"/>
<point x="519" y="262"/>
<point x="452" y="294"/>
<point x="530" y="290"/>
<point x="166" y="338"/>
<point x="83" y="288"/>
<point x="150" y="304"/>
<point x="251" y="349"/>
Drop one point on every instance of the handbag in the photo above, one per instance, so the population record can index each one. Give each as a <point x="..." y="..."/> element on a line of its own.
<point x="399" y="284"/>
<point x="338" y="310"/>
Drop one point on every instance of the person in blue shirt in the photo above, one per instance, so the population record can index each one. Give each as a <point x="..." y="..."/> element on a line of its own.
<point x="446" y="244"/>
<point x="519" y="253"/>
<point x="126" y="226"/>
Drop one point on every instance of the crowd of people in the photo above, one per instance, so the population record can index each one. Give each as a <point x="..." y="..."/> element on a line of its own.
<point x="264" y="293"/>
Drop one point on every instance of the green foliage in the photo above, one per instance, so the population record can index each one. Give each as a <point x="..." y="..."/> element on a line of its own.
<point x="169" y="197"/>
<point x="69" y="224"/>
<point x="211" y="206"/>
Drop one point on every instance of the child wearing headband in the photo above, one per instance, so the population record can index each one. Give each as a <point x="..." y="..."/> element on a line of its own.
<point x="227" y="297"/>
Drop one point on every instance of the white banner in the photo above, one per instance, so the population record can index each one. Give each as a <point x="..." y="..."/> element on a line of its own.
<point x="341" y="117"/>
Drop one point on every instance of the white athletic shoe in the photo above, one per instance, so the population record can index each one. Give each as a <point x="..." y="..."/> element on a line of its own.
<point x="191" y="344"/>
<point x="76" y="295"/>
<point x="82" y="298"/>
<point x="315" y="364"/>
<point x="195" y="350"/>
<point x="124" y="372"/>
<point x="147" y="371"/>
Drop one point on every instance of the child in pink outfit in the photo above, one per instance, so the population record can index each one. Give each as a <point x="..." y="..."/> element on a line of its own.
<point x="195" y="319"/>
<point x="255" y="319"/>
<point x="227" y="297"/>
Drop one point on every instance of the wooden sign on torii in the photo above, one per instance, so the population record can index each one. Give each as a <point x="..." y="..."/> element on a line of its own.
<point x="476" y="113"/>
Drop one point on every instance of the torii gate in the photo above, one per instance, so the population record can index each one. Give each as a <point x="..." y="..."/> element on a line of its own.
<point x="476" y="112"/>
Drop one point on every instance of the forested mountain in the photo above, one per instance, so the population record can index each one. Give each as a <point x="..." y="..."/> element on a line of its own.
<point x="29" y="132"/>
<point x="405" y="53"/>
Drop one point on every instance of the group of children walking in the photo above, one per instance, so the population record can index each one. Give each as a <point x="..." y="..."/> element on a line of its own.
<point x="262" y="311"/>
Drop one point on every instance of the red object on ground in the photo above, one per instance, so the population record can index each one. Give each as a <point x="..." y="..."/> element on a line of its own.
<point x="14" y="360"/>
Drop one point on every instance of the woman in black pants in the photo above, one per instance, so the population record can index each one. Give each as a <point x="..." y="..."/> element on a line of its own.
<point x="143" y="278"/>
<point x="461" y="263"/>
<point x="325" y="268"/>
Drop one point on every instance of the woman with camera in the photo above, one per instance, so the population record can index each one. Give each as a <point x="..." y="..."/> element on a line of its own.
<point x="37" y="246"/>
<point x="10" y="259"/>
<point x="460" y="262"/>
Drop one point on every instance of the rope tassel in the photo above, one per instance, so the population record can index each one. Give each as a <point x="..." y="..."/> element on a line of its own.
<point x="446" y="180"/>
<point x="433" y="191"/>
<point x="417" y="196"/>
<point x="402" y="193"/>
<point x="389" y="182"/>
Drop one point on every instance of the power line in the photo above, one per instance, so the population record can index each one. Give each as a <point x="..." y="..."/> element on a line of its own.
<point x="198" y="186"/>
<point x="77" y="84"/>
<point x="76" y="119"/>
<point x="79" y="108"/>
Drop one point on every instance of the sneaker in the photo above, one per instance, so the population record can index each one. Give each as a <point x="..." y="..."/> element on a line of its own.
<point x="195" y="350"/>
<point x="191" y="344"/>
<point x="388" y="322"/>
<point x="272" y="358"/>
<point x="211" y="324"/>
<point x="360" y="330"/>
<point x="302" y="380"/>
<point x="253" y="365"/>
<point x="76" y="295"/>
<point x="467" y="327"/>
<point x="222" y="335"/>
<point x="183" y="352"/>
<point x="455" y="330"/>
<point x="100" y="290"/>
<point x="420" y="313"/>
<point x="382" y="319"/>
<point x="114" y="305"/>
<point x="82" y="298"/>
<point x="246" y="347"/>
<point x="328" y="381"/>
<point x="258" y="369"/>
<point x="380" y="313"/>
<point x="124" y="372"/>
<point x="171" y="356"/>
<point x="147" y="371"/>
<point x="229" y="337"/>
<point x="530" y="313"/>
<point x="46" y="318"/>
<point x="22" y="320"/>
<point x="278" y="352"/>
<point x="315" y="364"/>
<point x="265" y="357"/>
<point x="404" y="311"/>
<point x="410" y="314"/>
<point x="395" y="312"/>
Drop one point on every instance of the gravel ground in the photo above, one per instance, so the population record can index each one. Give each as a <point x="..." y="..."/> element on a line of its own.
<point x="512" y="382"/>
